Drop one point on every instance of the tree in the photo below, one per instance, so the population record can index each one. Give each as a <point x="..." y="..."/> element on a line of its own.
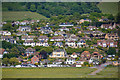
<point x="32" y="8"/>
<point x="14" y="50"/>
<point x="111" y="17"/>
<point x="5" y="61"/>
<point x="111" y="51"/>
<point x="13" y="61"/>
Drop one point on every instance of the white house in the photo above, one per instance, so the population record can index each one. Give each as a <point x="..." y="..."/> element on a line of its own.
<point x="24" y="28"/>
<point x="66" y="24"/>
<point x="6" y="33"/>
<point x="70" y="61"/>
<point x="44" y="38"/>
<point x="70" y="44"/>
<point x="29" y="43"/>
<point x="42" y="43"/>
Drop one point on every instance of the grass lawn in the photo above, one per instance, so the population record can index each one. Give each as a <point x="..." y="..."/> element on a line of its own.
<point x="21" y="15"/>
<point x="109" y="7"/>
<point x="46" y="72"/>
<point x="58" y="73"/>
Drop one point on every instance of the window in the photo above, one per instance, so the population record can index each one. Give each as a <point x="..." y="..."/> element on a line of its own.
<point x="58" y="54"/>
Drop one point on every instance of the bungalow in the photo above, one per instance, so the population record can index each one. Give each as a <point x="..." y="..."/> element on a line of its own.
<point x="8" y="39"/>
<point x="113" y="36"/>
<point x="6" y="33"/>
<point x="64" y="28"/>
<point x="29" y="43"/>
<point x="66" y="24"/>
<point x="107" y="43"/>
<point x="81" y="43"/>
<point x="70" y="43"/>
<point x="24" y="28"/>
<point x="27" y="37"/>
<point x="21" y="33"/>
<point x="58" y="53"/>
<point x="34" y="60"/>
<point x="72" y="38"/>
<point x="44" y="38"/>
<point x="85" y="38"/>
<point x="46" y="30"/>
<point x="70" y="60"/>
<point x="59" y="33"/>
<point x="92" y="27"/>
<point x="59" y="44"/>
<point x="85" y="55"/>
<point x="57" y="38"/>
<point x="29" y="51"/>
<point x="42" y="43"/>
<point x="25" y="22"/>
<point x="74" y="55"/>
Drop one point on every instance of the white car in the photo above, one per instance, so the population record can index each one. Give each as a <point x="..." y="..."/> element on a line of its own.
<point x="18" y="66"/>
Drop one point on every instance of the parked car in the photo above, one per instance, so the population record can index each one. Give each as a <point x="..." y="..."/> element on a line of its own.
<point x="12" y="66"/>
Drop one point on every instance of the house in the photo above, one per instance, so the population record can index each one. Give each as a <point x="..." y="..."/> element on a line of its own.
<point x="70" y="43"/>
<point x="8" y="39"/>
<point x="70" y="60"/>
<point x="43" y="38"/>
<point x="96" y="55"/>
<point x="59" y="33"/>
<point x="72" y="38"/>
<point x="66" y="24"/>
<point x="29" y="51"/>
<point x="6" y="33"/>
<point x="81" y="43"/>
<point x="74" y="55"/>
<point x="85" y="55"/>
<point x="46" y="30"/>
<point x="25" y="22"/>
<point x="92" y="27"/>
<point x="34" y="60"/>
<point x="24" y="28"/>
<point x="81" y="62"/>
<point x="113" y="36"/>
<point x="107" y="26"/>
<point x="64" y="29"/>
<point x="21" y="33"/>
<point x="107" y="43"/>
<point x="1" y="52"/>
<point x="29" y="43"/>
<point x="84" y="20"/>
<point x="58" y="53"/>
<point x="27" y="37"/>
<point x="85" y="38"/>
<point x="59" y="44"/>
<point x="42" y="43"/>
<point x="57" y="38"/>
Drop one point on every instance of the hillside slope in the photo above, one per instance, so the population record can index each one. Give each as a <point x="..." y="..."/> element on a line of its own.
<point x="108" y="7"/>
<point x="21" y="15"/>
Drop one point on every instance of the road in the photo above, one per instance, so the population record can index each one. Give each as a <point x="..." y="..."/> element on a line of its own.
<point x="100" y="68"/>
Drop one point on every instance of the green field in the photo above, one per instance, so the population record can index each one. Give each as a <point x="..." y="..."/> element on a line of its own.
<point x="21" y="15"/>
<point x="108" y="7"/>
<point x="57" y="73"/>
